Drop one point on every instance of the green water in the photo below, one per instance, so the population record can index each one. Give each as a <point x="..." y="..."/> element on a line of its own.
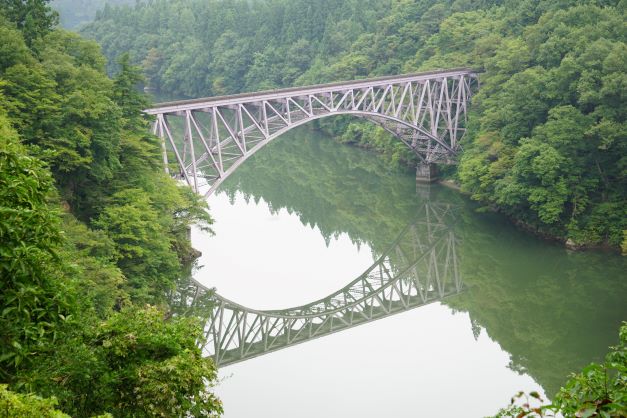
<point x="548" y="310"/>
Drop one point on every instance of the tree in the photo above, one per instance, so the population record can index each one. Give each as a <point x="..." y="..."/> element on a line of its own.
<point x="136" y="363"/>
<point x="33" y="17"/>
<point x="15" y="405"/>
<point x="143" y="245"/>
<point x="92" y="133"/>
<point x="125" y="94"/>
<point x="35" y="295"/>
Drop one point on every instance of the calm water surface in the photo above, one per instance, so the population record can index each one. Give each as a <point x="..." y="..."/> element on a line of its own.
<point x="305" y="216"/>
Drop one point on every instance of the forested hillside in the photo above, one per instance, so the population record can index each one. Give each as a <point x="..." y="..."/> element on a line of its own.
<point x="546" y="143"/>
<point x="93" y="236"/>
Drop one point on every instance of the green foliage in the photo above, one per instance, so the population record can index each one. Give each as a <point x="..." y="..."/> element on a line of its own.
<point x="545" y="144"/>
<point x="136" y="363"/>
<point x="34" y="18"/>
<point x="525" y="405"/>
<point x="133" y="223"/>
<point x="600" y="390"/>
<point x="93" y="256"/>
<point x="125" y="93"/>
<point x="544" y="150"/>
<point x="72" y="280"/>
<point x="16" y="405"/>
<point x="13" y="49"/>
<point x="372" y="137"/>
<point x="35" y="296"/>
<point x="203" y="47"/>
<point x="63" y="104"/>
<point x="93" y="134"/>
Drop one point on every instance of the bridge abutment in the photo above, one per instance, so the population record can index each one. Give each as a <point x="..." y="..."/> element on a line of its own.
<point x="426" y="173"/>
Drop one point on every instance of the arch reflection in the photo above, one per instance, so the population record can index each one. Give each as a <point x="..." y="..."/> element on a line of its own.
<point x="421" y="266"/>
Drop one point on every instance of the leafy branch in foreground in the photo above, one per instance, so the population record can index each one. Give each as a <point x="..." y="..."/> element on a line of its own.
<point x="600" y="390"/>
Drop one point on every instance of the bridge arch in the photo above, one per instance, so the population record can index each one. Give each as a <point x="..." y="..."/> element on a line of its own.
<point x="210" y="138"/>
<point x="400" y="129"/>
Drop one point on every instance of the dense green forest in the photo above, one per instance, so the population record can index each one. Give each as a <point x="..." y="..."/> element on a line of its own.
<point x="546" y="142"/>
<point x="93" y="237"/>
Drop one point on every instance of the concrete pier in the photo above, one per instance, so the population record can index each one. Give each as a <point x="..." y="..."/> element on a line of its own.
<point x="426" y="173"/>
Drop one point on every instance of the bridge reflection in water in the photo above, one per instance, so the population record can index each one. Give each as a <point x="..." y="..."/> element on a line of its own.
<point x="419" y="267"/>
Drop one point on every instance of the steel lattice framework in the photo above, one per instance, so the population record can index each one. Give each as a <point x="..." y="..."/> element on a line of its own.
<point x="209" y="138"/>
<point x="420" y="267"/>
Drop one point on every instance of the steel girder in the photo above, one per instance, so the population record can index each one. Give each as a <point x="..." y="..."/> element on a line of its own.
<point x="420" y="267"/>
<point x="209" y="138"/>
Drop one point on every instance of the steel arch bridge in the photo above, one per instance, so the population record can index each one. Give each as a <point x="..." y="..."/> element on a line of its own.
<point x="420" y="267"/>
<point x="211" y="137"/>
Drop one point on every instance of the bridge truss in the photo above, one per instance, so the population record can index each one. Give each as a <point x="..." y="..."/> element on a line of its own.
<point x="209" y="138"/>
<point x="420" y="267"/>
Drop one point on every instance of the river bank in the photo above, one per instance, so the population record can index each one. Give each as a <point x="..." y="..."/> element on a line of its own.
<point x="535" y="231"/>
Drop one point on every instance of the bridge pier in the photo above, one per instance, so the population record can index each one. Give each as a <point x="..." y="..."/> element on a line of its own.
<point x="426" y="173"/>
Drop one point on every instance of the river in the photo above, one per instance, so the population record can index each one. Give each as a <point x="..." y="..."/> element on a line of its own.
<point x="306" y="215"/>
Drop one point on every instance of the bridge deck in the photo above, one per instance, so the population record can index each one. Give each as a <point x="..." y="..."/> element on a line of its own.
<point x="193" y="104"/>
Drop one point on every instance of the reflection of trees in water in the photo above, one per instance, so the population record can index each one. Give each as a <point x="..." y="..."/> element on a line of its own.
<point x="553" y="310"/>
<point x="337" y="188"/>
<point x="190" y="299"/>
